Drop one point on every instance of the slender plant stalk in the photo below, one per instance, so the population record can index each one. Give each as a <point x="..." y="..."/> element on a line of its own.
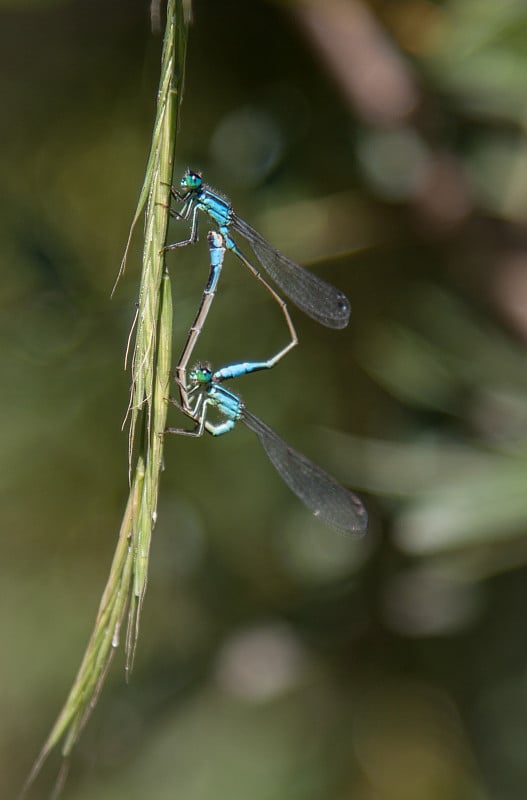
<point x="151" y="361"/>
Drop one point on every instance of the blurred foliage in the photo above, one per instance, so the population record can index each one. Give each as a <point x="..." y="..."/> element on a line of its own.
<point x="276" y="658"/>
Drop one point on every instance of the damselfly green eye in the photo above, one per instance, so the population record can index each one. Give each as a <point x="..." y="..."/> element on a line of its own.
<point x="191" y="180"/>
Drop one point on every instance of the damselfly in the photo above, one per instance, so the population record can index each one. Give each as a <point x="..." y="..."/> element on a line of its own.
<point x="321" y="301"/>
<point x="323" y="495"/>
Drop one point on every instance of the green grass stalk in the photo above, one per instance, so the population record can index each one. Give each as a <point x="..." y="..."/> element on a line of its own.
<point x="151" y="361"/>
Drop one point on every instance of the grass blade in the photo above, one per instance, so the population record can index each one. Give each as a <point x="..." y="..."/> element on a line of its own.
<point x="126" y="585"/>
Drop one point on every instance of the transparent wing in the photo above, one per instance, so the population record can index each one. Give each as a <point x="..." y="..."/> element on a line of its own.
<point x="311" y="294"/>
<point x="322" y="494"/>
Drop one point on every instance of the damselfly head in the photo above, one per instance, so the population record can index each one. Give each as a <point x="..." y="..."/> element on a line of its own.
<point x="191" y="180"/>
<point x="200" y="375"/>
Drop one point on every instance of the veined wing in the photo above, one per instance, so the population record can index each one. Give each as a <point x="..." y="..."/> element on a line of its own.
<point x="320" y="300"/>
<point x="322" y="494"/>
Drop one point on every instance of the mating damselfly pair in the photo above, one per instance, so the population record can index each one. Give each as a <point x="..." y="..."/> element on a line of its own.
<point x="201" y="389"/>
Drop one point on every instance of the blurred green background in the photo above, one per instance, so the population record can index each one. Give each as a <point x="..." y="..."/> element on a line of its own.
<point x="384" y="145"/>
